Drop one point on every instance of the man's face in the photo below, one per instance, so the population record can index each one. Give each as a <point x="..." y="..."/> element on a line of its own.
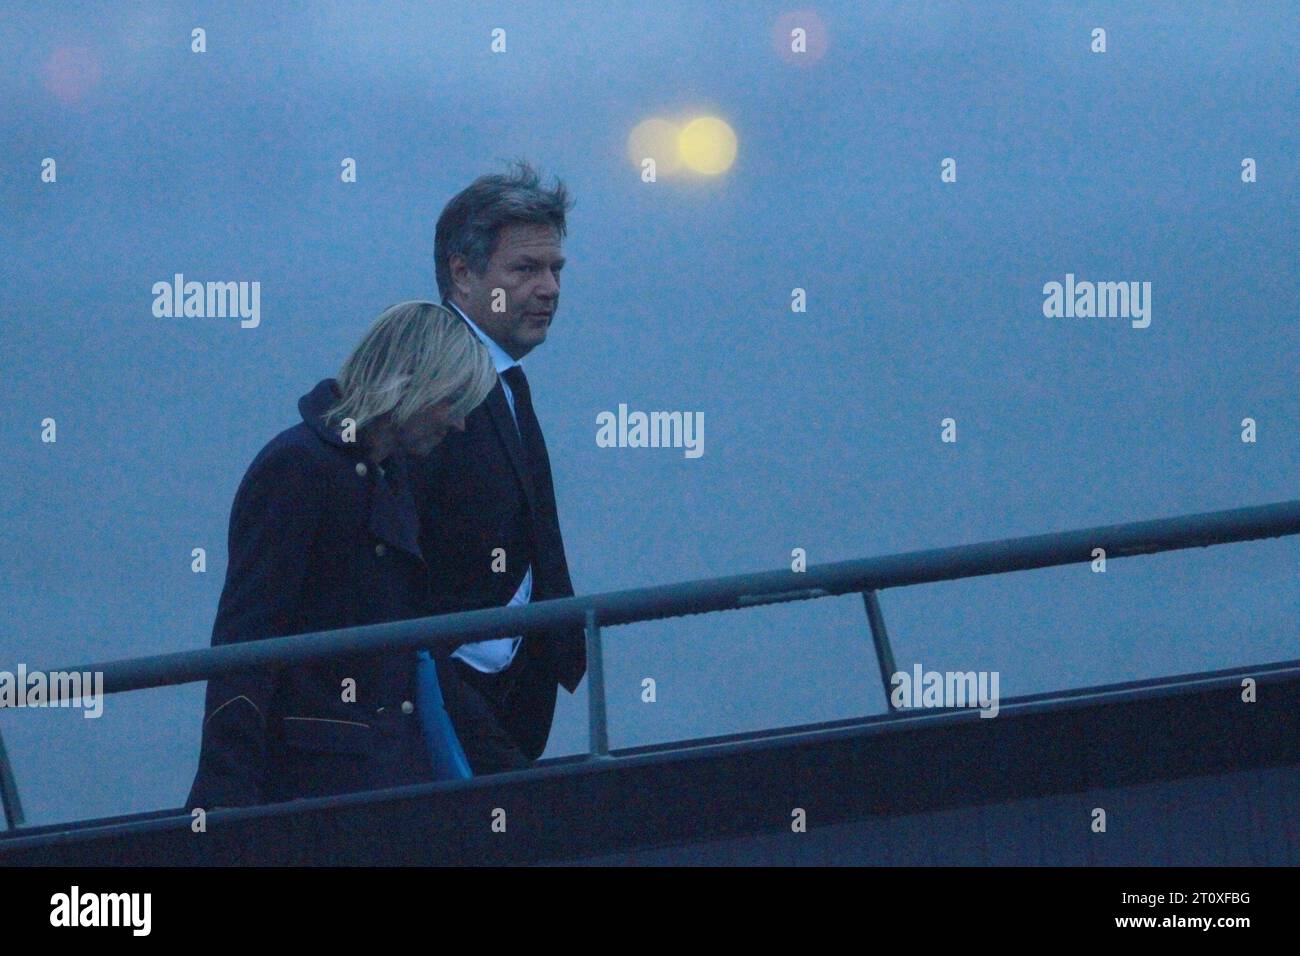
<point x="526" y="267"/>
<point x="422" y="432"/>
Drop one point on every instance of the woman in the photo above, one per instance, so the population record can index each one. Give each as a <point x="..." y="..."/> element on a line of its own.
<point x="324" y="534"/>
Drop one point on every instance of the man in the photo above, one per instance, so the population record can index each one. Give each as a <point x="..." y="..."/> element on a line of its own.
<point x="324" y="534"/>
<point x="490" y="531"/>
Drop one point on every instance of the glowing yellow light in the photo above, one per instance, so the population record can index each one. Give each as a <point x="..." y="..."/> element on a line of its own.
<point x="655" y="139"/>
<point x="707" y="145"/>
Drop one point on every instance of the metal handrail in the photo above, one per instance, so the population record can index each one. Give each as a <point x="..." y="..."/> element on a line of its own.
<point x="589" y="613"/>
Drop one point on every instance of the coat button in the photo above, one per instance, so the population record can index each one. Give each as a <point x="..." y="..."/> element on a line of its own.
<point x="379" y="550"/>
<point x="408" y="707"/>
<point x="361" y="468"/>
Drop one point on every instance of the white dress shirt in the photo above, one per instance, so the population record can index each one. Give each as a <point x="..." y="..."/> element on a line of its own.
<point x="496" y="655"/>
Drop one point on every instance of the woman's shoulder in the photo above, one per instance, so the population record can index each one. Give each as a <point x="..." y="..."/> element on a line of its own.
<point x="293" y="456"/>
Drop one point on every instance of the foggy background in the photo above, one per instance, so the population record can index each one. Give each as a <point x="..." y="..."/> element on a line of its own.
<point x="822" y="428"/>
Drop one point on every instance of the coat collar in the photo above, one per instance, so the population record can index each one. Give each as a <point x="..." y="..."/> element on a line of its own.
<point x="313" y="407"/>
<point x="393" y="515"/>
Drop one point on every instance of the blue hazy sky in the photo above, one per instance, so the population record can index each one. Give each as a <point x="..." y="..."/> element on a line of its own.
<point x="822" y="428"/>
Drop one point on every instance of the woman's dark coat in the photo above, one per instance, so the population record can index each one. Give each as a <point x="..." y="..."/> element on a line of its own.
<point x="320" y="538"/>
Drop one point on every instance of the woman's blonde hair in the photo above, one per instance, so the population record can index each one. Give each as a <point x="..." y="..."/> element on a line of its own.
<point x="415" y="355"/>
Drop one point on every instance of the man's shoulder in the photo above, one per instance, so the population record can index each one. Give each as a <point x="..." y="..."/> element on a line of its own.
<point x="460" y="454"/>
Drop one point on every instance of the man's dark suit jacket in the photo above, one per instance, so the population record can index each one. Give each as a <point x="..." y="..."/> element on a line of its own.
<point x="476" y="494"/>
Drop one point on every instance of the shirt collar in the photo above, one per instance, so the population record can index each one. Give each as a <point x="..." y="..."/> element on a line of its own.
<point x="500" y="360"/>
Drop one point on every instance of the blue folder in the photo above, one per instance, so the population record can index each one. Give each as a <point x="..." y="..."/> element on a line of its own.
<point x="449" y="762"/>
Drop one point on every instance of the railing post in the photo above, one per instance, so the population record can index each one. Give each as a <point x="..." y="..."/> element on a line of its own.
<point x="880" y="637"/>
<point x="9" y="792"/>
<point x="597" y="726"/>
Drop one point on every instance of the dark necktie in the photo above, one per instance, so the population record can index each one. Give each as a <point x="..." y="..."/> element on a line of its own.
<point x="530" y="436"/>
<point x="546" y="522"/>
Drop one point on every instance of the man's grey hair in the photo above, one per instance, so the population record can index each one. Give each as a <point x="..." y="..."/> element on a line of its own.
<point x="415" y="355"/>
<point x="470" y="225"/>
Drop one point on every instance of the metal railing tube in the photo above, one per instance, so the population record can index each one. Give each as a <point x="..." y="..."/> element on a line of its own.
<point x="441" y="634"/>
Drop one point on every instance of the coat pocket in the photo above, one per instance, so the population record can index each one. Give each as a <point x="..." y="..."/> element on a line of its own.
<point x="326" y="735"/>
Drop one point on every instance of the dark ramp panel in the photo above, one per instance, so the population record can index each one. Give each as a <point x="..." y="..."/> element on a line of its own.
<point x="1187" y="774"/>
<point x="1247" y="818"/>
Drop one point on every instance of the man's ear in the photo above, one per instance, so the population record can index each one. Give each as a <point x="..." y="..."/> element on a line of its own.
<point x="458" y="266"/>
